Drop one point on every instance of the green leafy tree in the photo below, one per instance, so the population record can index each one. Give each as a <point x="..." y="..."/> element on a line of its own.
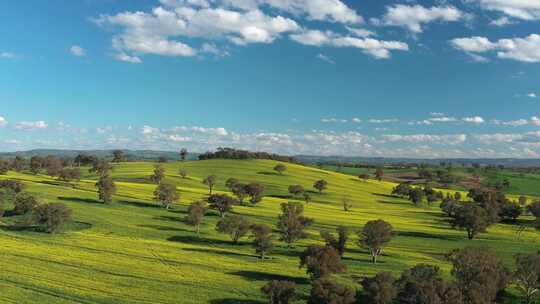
<point x="339" y="243"/>
<point x="4" y="167"/>
<point x="36" y="164"/>
<point x="324" y="291"/>
<point x="374" y="236"/>
<point x="321" y="261"/>
<point x="183" y="172"/>
<point x="280" y="168"/>
<point x="279" y="292"/>
<point x="118" y="156"/>
<point x="222" y="203"/>
<point x="52" y="217"/>
<point x="210" y="182"/>
<point x="472" y="218"/>
<point x="183" y="154"/>
<point x="195" y="215"/>
<point x="379" y="173"/>
<point x="255" y="191"/>
<point x="263" y="240"/>
<point x="527" y="276"/>
<point x="292" y="223"/>
<point x="101" y="167"/>
<point x="24" y="203"/>
<point x="296" y="190"/>
<point x="320" y="185"/>
<point x="236" y="226"/>
<point x="106" y="188"/>
<point x="380" y="289"/>
<point x="480" y="275"/>
<point x="166" y="194"/>
<point x="159" y="174"/>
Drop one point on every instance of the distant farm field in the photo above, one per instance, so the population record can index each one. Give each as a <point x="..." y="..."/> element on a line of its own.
<point x="134" y="251"/>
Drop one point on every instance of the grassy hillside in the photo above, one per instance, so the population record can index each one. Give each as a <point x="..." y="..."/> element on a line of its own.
<point x="133" y="251"/>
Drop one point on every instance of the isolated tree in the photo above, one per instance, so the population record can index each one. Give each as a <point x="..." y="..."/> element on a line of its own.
<point x="527" y="276"/>
<point x="52" y="217"/>
<point x="321" y="261"/>
<point x="306" y="197"/>
<point x="101" y="167"/>
<point x="416" y="195"/>
<point x="24" y="203"/>
<point x="324" y="291"/>
<point x="346" y="202"/>
<point x="183" y="154"/>
<point x="236" y="226"/>
<point x="106" y="188"/>
<point x="36" y="164"/>
<point x="240" y="191"/>
<point x="183" y="172"/>
<point x="534" y="209"/>
<point x="158" y="175"/>
<point x="472" y="218"/>
<point x="280" y="168"/>
<point x="320" y="185"/>
<point x="296" y="190"/>
<point x="379" y="173"/>
<point x="450" y="206"/>
<point x="210" y="181"/>
<point x="263" y="240"/>
<point x="195" y="215"/>
<point x="511" y="211"/>
<point x="118" y="156"/>
<point x="166" y="194"/>
<point x="222" y="203"/>
<point x="292" y="223"/>
<point x="339" y="243"/>
<point x="480" y="275"/>
<point x="279" y="292"/>
<point x="374" y="236"/>
<point x="380" y="289"/>
<point x="255" y="191"/>
<point x="231" y="183"/>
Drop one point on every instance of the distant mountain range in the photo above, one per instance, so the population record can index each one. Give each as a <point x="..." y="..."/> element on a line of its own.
<point x="308" y="159"/>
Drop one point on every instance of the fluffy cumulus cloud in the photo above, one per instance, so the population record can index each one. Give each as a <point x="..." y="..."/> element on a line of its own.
<point x="3" y="122"/>
<point x="171" y="28"/>
<point x="474" y="120"/>
<point x="452" y="139"/>
<point x="520" y="9"/>
<point x="376" y="48"/>
<point x="413" y="17"/>
<point x="77" y="51"/>
<point x="525" y="49"/>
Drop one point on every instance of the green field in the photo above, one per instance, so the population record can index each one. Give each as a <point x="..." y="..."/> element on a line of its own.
<point x="133" y="251"/>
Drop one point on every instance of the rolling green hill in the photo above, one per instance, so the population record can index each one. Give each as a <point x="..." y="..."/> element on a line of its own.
<point x="133" y="251"/>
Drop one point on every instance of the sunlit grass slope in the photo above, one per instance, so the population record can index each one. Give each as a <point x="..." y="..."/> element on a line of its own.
<point x="133" y="251"/>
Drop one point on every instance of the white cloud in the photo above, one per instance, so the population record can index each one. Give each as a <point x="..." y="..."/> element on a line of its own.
<point x="377" y="48"/>
<point x="356" y="120"/>
<point x="7" y="55"/>
<point x="360" y="32"/>
<point x="333" y="120"/>
<point x="3" y="122"/>
<point x="325" y="58"/>
<point x="77" y="51"/>
<point x="521" y="49"/>
<point x="520" y="9"/>
<point x="31" y="125"/>
<point x="413" y="17"/>
<point x="381" y="121"/>
<point x="474" y="120"/>
<point x="452" y="139"/>
<point x="535" y="121"/>
<point x="503" y="21"/>
<point x="126" y="58"/>
<point x="531" y="95"/>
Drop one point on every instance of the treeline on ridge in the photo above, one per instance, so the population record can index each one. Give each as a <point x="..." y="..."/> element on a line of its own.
<point x="230" y="153"/>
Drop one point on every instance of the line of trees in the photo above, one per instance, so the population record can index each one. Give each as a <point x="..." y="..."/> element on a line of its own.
<point x="230" y="153"/>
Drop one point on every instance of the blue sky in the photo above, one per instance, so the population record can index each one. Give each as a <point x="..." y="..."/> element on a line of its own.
<point x="373" y="78"/>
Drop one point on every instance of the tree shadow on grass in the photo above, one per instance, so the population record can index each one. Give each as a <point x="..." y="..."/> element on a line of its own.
<point x="79" y="200"/>
<point x="265" y="276"/>
<point x="21" y="228"/>
<point x="193" y="239"/>
<point x="385" y="195"/>
<point x="269" y="173"/>
<point x="139" y="204"/>
<point x="234" y="301"/>
<point x="394" y="203"/>
<point x="163" y="228"/>
<point x="417" y="234"/>
<point x="219" y="251"/>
